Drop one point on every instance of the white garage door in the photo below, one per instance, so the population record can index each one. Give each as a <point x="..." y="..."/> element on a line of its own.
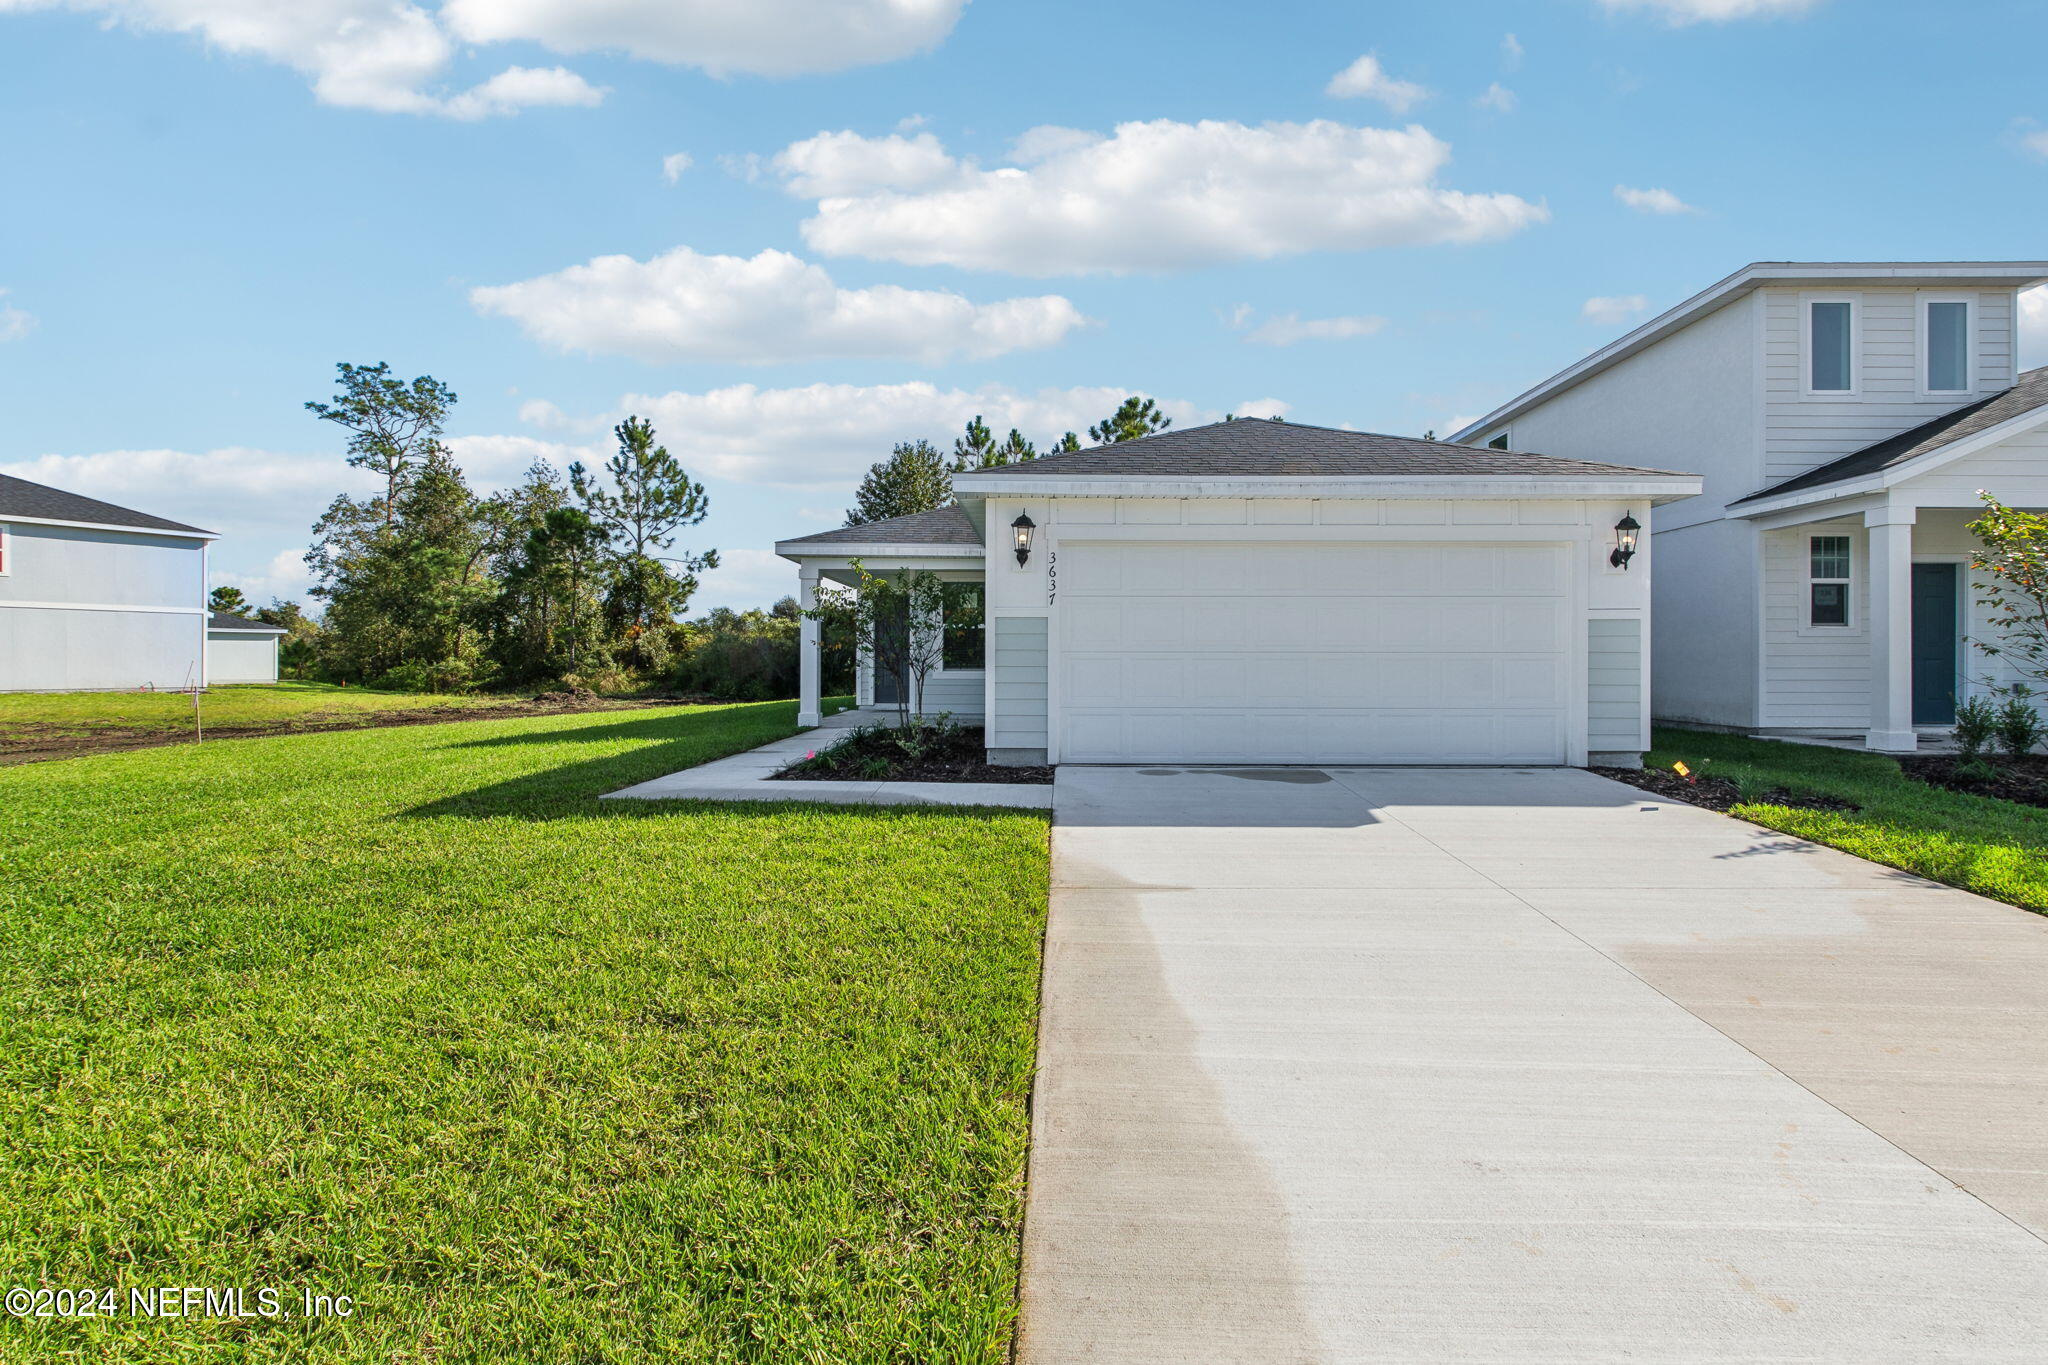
<point x="1388" y="652"/>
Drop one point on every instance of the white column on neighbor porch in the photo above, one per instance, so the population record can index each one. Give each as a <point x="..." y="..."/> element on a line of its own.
<point x="808" y="707"/>
<point x="1890" y="533"/>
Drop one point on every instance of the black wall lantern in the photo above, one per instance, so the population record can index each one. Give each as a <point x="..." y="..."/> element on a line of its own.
<point x="1624" y="541"/>
<point x="1020" y="531"/>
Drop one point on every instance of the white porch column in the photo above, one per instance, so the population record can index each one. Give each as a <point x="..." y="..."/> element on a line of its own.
<point x="1890" y="533"/>
<point x="808" y="707"/>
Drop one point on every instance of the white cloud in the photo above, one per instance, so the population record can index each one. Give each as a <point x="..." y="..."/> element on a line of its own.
<point x="1498" y="98"/>
<point x="747" y="578"/>
<point x="770" y="308"/>
<point x="523" y="87"/>
<point x="15" y="323"/>
<point x="1612" y="310"/>
<point x="235" y="490"/>
<point x="390" y="55"/>
<point x="842" y="163"/>
<point x="284" y="576"/>
<point x="757" y="37"/>
<point x="1662" y="202"/>
<point x="826" y="435"/>
<point x="674" y="164"/>
<point x="1152" y="196"/>
<point x="495" y="462"/>
<point x="1511" y="53"/>
<point x="2034" y="327"/>
<point x="1714" y="11"/>
<point x="1367" y="79"/>
<point x="1263" y="407"/>
<point x="2036" y="142"/>
<point x="1285" y="329"/>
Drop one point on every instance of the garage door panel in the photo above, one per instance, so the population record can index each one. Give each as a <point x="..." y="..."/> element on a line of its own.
<point x="1408" y="652"/>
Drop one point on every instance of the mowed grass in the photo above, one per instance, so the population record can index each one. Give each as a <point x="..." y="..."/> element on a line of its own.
<point x="408" y="1015"/>
<point x="1995" y="848"/>
<point x="276" y="704"/>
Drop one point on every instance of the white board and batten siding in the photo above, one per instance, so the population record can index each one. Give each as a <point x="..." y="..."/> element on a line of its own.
<point x="1366" y="631"/>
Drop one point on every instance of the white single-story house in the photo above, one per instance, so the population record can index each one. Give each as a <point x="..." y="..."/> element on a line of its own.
<point x="1260" y="591"/>
<point x="94" y="596"/>
<point x="1844" y="417"/>
<point x="239" y="650"/>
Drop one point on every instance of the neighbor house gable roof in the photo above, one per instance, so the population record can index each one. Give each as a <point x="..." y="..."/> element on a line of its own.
<point x="221" y="620"/>
<point x="1759" y="275"/>
<point x="945" y="526"/>
<point x="1267" y="448"/>
<point x="22" y="500"/>
<point x="2028" y="396"/>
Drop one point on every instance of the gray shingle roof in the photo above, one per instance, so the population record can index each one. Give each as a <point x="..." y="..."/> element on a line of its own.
<point x="1258" y="447"/>
<point x="220" y="620"/>
<point x="20" y="498"/>
<point x="2030" y="393"/>
<point x="944" y="526"/>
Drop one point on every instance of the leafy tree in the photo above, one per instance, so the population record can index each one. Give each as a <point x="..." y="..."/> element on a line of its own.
<point x="229" y="601"/>
<point x="1134" y="417"/>
<point x="873" y="615"/>
<point x="649" y="498"/>
<point x="392" y="424"/>
<point x="2012" y="557"/>
<point x="913" y="479"/>
<point x="549" y="597"/>
<point x="298" y="651"/>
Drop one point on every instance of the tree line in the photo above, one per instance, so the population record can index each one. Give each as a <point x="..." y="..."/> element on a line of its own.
<point x="569" y="579"/>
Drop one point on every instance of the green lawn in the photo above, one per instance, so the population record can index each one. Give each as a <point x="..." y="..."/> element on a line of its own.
<point x="407" y="1015"/>
<point x="1995" y="848"/>
<point x="271" y="704"/>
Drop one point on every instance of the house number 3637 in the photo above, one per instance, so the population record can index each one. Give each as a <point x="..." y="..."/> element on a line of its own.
<point x="1052" y="576"/>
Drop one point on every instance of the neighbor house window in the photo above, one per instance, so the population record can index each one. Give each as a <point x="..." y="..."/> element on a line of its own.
<point x="1830" y="346"/>
<point x="1499" y="442"/>
<point x="1946" y="345"/>
<point x="1828" y="585"/>
<point x="962" y="645"/>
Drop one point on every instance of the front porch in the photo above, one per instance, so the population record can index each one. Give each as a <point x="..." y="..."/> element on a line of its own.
<point x="1869" y="615"/>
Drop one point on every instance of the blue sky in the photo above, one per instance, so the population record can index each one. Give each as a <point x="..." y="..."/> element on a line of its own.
<point x="213" y="201"/>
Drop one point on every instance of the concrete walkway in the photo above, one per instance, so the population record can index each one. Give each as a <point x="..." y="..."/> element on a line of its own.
<point x="751" y="777"/>
<point x="1451" y="1065"/>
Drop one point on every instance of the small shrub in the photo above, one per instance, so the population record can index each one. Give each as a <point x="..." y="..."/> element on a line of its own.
<point x="2019" y="724"/>
<point x="875" y="766"/>
<point x="1976" y="726"/>
<point x="1975" y="769"/>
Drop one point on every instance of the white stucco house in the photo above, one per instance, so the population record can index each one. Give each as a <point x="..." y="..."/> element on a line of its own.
<point x="239" y="650"/>
<point x="1268" y="592"/>
<point x="1844" y="417"/>
<point x="94" y="596"/>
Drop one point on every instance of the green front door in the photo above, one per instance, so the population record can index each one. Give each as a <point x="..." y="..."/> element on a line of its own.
<point x="1935" y="637"/>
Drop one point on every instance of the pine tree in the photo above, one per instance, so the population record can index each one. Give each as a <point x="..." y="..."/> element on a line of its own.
<point x="228" y="601"/>
<point x="649" y="499"/>
<point x="1134" y="417"/>
<point x="913" y="479"/>
<point x="392" y="424"/>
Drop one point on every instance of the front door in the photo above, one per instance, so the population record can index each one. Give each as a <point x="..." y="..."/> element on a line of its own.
<point x="895" y="634"/>
<point x="1935" y="638"/>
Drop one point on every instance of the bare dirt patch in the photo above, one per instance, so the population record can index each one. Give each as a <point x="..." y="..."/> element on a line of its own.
<point x="41" y="741"/>
<point x="1719" y="793"/>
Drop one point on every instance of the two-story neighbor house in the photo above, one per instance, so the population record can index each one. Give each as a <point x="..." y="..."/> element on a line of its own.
<point x="1844" y="417"/>
<point x="94" y="596"/>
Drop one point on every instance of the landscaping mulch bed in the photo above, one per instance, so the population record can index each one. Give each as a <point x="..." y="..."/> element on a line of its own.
<point x="2024" y="780"/>
<point x="1719" y="793"/>
<point x="961" y="757"/>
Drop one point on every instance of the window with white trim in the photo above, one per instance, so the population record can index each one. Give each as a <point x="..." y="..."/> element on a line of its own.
<point x="962" y="644"/>
<point x="1830" y="346"/>
<point x="1827" y="587"/>
<point x="1945" y="345"/>
<point x="1499" y="442"/>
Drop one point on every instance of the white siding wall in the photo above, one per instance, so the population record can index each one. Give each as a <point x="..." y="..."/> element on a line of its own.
<point x="233" y="657"/>
<point x="45" y="648"/>
<point x="1802" y="432"/>
<point x="1814" y="677"/>
<point x="2016" y="470"/>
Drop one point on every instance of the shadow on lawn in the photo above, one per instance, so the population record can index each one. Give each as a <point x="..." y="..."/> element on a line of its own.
<point x="662" y="745"/>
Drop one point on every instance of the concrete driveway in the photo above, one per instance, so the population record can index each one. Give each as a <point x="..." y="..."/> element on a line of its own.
<point x="1454" y="1065"/>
